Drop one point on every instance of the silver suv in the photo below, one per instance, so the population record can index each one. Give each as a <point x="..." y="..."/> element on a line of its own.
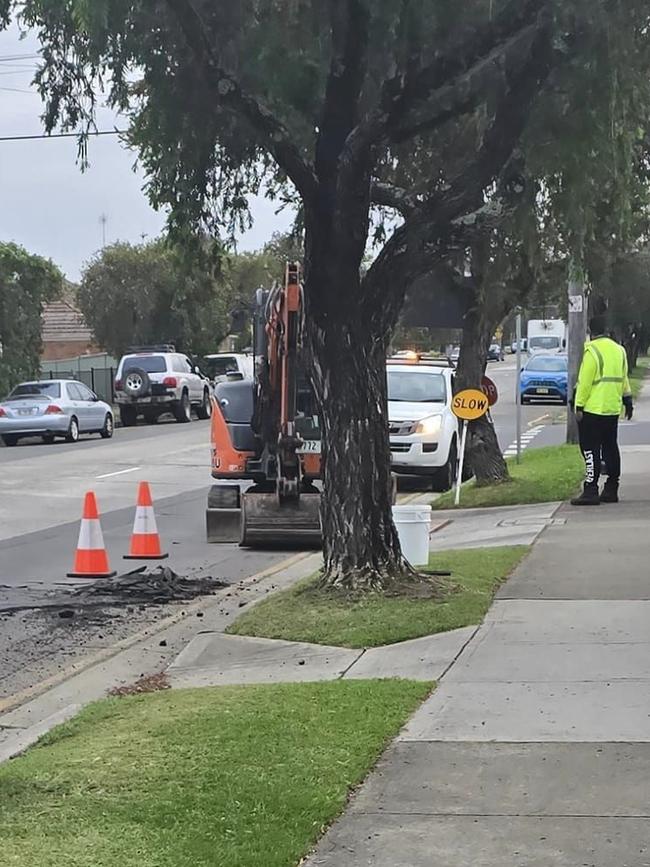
<point x="153" y="380"/>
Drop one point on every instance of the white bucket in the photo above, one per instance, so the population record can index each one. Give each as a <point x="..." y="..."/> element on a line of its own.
<point x="413" y="524"/>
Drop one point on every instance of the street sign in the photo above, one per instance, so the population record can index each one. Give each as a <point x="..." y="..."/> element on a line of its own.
<point x="467" y="405"/>
<point x="489" y="389"/>
<point x="470" y="404"/>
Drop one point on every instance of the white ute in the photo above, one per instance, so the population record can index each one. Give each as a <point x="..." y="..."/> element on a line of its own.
<point x="423" y="429"/>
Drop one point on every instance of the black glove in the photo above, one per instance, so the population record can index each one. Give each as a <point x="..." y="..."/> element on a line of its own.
<point x="579" y="413"/>
<point x="629" y="407"/>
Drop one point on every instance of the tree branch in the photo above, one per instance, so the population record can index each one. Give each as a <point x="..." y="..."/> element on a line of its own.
<point x="268" y="128"/>
<point x="452" y="84"/>
<point x="448" y="220"/>
<point x="464" y="93"/>
<point x="350" y="33"/>
<point x="390" y="196"/>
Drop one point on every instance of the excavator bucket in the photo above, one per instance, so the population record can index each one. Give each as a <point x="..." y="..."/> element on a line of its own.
<point x="223" y="515"/>
<point x="266" y="521"/>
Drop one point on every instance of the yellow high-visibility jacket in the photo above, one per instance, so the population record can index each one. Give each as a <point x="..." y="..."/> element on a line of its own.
<point x="603" y="379"/>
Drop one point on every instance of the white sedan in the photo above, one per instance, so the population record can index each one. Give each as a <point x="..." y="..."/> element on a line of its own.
<point x="53" y="408"/>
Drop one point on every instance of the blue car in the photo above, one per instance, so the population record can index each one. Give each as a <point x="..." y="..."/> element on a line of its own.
<point x="544" y="379"/>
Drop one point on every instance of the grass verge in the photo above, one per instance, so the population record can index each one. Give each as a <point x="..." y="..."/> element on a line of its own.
<point x="304" y="614"/>
<point x="544" y="475"/>
<point x="236" y="776"/>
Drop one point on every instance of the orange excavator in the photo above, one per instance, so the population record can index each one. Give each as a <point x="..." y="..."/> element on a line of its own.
<point x="266" y="432"/>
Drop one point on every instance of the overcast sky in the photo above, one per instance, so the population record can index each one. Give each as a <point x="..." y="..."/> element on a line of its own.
<point x="48" y="205"/>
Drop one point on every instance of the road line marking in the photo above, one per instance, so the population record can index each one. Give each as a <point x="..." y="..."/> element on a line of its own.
<point x="118" y="473"/>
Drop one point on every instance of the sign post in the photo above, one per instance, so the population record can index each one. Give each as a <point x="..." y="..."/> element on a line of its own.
<point x="518" y="388"/>
<point x="467" y="405"/>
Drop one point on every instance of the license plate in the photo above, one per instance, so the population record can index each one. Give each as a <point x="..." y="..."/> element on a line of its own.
<point x="542" y="391"/>
<point x="30" y="411"/>
<point x="310" y="447"/>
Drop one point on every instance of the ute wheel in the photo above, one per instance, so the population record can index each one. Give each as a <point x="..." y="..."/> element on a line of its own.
<point x="223" y="497"/>
<point x="204" y="411"/>
<point x="73" y="431"/>
<point x="48" y="439"/>
<point x="107" y="431"/>
<point x="183" y="409"/>
<point x="446" y="476"/>
<point x="10" y="440"/>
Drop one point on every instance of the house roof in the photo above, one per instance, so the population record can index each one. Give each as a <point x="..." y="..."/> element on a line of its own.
<point x="62" y="321"/>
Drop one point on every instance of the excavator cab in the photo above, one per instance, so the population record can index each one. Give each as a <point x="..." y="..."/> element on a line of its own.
<point x="266" y="432"/>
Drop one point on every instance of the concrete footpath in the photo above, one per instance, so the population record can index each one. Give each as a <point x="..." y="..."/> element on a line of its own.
<point x="535" y="748"/>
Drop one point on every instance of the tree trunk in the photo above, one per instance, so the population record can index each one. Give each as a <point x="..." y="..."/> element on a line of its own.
<point x="361" y="547"/>
<point x="484" y="456"/>
<point x="348" y="338"/>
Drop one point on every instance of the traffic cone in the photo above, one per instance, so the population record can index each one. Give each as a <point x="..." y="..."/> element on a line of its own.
<point x="145" y="541"/>
<point x="91" y="559"/>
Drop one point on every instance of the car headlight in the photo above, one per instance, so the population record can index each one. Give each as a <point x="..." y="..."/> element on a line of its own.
<point x="430" y="425"/>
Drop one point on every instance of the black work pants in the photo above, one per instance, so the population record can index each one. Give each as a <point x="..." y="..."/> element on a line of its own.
<point x="599" y="438"/>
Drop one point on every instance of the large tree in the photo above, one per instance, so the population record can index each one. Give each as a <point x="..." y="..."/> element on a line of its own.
<point x="27" y="283"/>
<point x="149" y="294"/>
<point x="318" y="98"/>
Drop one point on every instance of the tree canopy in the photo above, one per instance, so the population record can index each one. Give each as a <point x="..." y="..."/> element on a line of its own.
<point x="27" y="283"/>
<point x="143" y="294"/>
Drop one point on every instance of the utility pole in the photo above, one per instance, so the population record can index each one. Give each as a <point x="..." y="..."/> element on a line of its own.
<point x="518" y="385"/>
<point x="577" y="335"/>
<point x="103" y="220"/>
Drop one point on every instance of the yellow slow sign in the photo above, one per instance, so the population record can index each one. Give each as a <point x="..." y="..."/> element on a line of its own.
<point x="470" y="404"/>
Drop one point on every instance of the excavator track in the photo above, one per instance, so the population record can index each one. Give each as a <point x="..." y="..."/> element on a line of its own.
<point x="267" y="522"/>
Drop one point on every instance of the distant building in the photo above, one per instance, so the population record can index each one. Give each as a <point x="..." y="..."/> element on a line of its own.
<point x="65" y="333"/>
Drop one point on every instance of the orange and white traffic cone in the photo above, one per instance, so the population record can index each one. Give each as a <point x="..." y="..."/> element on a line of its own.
<point x="91" y="559"/>
<point x="145" y="540"/>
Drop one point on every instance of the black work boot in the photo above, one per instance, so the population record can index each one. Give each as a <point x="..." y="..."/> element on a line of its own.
<point x="588" y="497"/>
<point x="610" y="492"/>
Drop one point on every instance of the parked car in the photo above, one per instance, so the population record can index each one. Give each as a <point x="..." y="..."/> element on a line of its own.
<point x="454" y="355"/>
<point x="152" y="381"/>
<point x="544" y="378"/>
<point x="495" y="352"/>
<point x="222" y="366"/>
<point x="53" y="408"/>
<point x="523" y="345"/>
<point x="423" y="429"/>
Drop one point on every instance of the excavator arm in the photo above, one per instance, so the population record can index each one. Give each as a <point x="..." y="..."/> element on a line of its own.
<point x="282" y="506"/>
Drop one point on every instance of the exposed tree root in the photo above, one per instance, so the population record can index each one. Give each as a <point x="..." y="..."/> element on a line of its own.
<point x="404" y="582"/>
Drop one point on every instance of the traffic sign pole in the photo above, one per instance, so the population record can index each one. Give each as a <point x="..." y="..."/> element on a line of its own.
<point x="468" y="405"/>
<point x="461" y="462"/>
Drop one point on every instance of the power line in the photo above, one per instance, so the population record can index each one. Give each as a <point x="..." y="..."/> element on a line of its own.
<point x="11" y="58"/>
<point x="44" y="135"/>
<point x="20" y="90"/>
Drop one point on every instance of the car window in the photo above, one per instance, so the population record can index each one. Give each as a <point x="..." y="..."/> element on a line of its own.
<point x="215" y="367"/>
<point x="544" y="342"/>
<point x="189" y="367"/>
<point x="548" y="364"/>
<point x="86" y="393"/>
<point x="49" y="389"/>
<point x="415" y="387"/>
<point x="74" y="392"/>
<point x="148" y="363"/>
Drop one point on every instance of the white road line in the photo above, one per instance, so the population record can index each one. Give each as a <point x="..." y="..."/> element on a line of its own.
<point x="526" y="440"/>
<point x="118" y="473"/>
